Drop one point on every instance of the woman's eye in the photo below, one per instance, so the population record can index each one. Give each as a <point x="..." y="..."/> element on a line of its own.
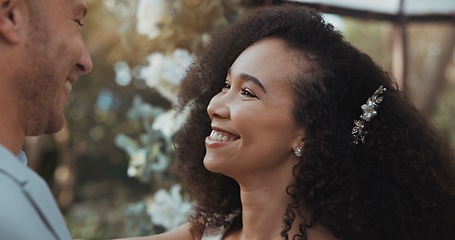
<point x="226" y="87"/>
<point x="247" y="92"/>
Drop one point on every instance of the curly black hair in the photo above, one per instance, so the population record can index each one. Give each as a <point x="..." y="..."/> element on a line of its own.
<point x="399" y="184"/>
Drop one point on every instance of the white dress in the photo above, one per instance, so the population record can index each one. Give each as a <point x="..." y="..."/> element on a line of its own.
<point x="218" y="234"/>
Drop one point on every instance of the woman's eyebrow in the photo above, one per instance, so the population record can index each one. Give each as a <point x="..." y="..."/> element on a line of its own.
<point x="249" y="78"/>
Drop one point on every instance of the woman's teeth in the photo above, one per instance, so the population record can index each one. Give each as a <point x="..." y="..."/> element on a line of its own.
<point x="221" y="136"/>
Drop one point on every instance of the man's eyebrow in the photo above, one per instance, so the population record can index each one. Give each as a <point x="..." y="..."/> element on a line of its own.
<point x="249" y="78"/>
<point x="82" y="8"/>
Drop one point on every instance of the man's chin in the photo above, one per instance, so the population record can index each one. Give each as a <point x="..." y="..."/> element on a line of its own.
<point x="52" y="127"/>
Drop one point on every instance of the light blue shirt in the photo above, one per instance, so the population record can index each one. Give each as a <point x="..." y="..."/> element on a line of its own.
<point x="22" y="157"/>
<point x="27" y="208"/>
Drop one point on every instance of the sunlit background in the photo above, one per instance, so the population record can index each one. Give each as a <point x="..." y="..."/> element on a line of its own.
<point x="109" y="167"/>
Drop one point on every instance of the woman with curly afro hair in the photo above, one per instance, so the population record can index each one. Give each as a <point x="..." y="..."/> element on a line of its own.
<point x="295" y="134"/>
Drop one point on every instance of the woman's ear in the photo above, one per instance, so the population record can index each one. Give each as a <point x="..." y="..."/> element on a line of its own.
<point x="9" y="27"/>
<point x="299" y="143"/>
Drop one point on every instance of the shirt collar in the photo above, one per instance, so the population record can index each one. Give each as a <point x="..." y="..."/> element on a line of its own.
<point x="22" y="157"/>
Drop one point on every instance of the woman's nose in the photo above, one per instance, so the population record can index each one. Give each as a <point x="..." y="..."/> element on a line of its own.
<point x="218" y="107"/>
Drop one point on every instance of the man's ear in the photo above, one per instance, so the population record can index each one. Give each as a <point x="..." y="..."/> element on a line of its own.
<point x="9" y="27"/>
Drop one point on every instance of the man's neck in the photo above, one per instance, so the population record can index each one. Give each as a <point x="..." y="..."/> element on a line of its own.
<point x="11" y="141"/>
<point x="12" y="135"/>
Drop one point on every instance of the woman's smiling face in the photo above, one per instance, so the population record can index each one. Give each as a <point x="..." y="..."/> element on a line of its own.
<point x="253" y="128"/>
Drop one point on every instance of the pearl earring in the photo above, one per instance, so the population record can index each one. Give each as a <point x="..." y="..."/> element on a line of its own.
<point x="298" y="151"/>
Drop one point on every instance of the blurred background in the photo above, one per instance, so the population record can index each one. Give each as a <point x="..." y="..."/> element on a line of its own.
<point x="109" y="167"/>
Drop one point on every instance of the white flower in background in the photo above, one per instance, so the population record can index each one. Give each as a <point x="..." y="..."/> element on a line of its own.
<point x="142" y="110"/>
<point x="152" y="72"/>
<point x="123" y="75"/>
<point x="168" y="209"/>
<point x="150" y="13"/>
<point x="166" y="69"/>
<point x="144" y="160"/>
<point x="137" y="161"/>
<point x="149" y="153"/>
<point x="166" y="124"/>
<point x="165" y="72"/>
<point x="175" y="66"/>
<point x="138" y="156"/>
<point x="169" y="122"/>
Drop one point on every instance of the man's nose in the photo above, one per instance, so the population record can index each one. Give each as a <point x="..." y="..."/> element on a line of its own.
<point x="84" y="65"/>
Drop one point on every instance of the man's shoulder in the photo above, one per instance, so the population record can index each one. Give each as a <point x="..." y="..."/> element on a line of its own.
<point x="19" y="219"/>
<point x="20" y="203"/>
<point x="14" y="175"/>
<point x="11" y="191"/>
<point x="15" y="208"/>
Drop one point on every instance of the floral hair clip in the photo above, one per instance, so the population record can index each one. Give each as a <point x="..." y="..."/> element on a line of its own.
<point x="369" y="111"/>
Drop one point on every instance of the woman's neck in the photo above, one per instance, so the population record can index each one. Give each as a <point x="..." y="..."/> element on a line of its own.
<point x="264" y="219"/>
<point x="263" y="209"/>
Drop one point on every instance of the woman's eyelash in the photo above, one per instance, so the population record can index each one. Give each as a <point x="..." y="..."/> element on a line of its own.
<point x="225" y="87"/>
<point x="247" y="92"/>
<point x="244" y="91"/>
